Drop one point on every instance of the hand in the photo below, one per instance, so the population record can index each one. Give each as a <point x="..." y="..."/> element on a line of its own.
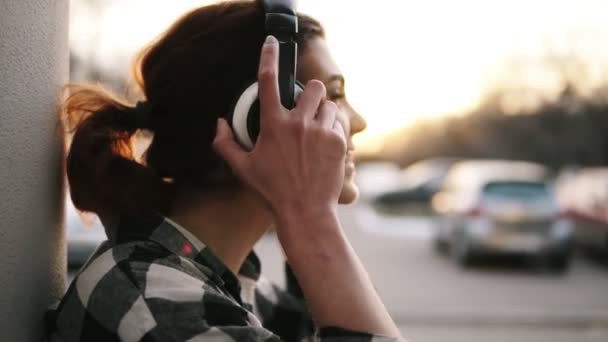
<point x="298" y="161"/>
<point x="297" y="165"/>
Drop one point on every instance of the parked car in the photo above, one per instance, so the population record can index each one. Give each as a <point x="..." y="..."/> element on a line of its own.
<point x="501" y="207"/>
<point x="376" y="177"/>
<point x="84" y="234"/>
<point x="418" y="183"/>
<point x="584" y="196"/>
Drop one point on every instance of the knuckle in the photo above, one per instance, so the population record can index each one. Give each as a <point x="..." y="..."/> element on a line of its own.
<point x="266" y="74"/>
<point x="342" y="144"/>
<point x="297" y="124"/>
<point x="273" y="126"/>
<point x="330" y="106"/>
<point x="337" y="141"/>
<point x="217" y="142"/>
<point x="318" y="87"/>
<point x="219" y="145"/>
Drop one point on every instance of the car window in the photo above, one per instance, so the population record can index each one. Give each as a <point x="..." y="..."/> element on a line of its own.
<point x="520" y="191"/>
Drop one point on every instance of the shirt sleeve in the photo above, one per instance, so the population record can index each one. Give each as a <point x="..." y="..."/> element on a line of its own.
<point x="220" y="319"/>
<point x="334" y="334"/>
<point x="284" y="312"/>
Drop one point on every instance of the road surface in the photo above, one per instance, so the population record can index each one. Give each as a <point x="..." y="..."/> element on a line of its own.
<point x="433" y="300"/>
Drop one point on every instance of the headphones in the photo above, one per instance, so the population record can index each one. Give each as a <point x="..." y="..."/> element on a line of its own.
<point x="281" y="22"/>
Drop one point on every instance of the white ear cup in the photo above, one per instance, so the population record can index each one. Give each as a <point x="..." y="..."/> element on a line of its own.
<point x="241" y="113"/>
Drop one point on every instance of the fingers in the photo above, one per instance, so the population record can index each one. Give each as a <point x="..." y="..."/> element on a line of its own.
<point x="268" y="79"/>
<point x="327" y="114"/>
<point x="339" y="129"/>
<point x="225" y="145"/>
<point x="327" y="117"/>
<point x="310" y="99"/>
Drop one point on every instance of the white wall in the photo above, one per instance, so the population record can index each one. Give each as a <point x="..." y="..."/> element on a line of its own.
<point x="33" y="66"/>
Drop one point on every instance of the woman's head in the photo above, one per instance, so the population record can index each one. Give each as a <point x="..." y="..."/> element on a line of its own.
<point x="317" y="63"/>
<point x="190" y="76"/>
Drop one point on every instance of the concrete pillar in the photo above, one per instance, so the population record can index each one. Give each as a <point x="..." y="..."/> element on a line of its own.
<point x="33" y="66"/>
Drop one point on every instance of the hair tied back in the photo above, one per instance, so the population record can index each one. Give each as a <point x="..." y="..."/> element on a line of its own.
<point x="142" y="112"/>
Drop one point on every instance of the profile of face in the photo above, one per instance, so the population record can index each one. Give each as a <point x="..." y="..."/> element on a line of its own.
<point x="316" y="62"/>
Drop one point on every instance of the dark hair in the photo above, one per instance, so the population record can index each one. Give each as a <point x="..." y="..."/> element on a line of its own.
<point x="190" y="76"/>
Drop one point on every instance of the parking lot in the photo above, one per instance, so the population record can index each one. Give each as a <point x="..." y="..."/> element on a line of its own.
<point x="432" y="299"/>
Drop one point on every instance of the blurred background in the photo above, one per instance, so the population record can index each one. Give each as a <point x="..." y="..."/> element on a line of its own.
<point x="484" y="169"/>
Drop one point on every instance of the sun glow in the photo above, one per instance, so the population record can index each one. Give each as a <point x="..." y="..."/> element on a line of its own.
<point x="403" y="60"/>
<point x="411" y="60"/>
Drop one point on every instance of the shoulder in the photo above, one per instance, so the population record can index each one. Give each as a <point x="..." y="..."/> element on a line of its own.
<point x="133" y="289"/>
<point x="143" y="268"/>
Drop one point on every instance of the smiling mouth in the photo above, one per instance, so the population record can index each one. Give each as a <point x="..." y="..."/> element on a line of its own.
<point x="349" y="169"/>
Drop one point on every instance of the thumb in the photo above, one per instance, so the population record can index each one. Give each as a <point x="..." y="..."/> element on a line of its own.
<point x="225" y="145"/>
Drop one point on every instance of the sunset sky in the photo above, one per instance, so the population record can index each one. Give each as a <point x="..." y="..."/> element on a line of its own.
<point x="403" y="60"/>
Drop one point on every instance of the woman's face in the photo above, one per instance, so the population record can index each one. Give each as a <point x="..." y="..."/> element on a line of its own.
<point x="317" y="63"/>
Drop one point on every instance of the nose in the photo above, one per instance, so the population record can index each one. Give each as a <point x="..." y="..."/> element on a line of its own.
<point x="357" y="122"/>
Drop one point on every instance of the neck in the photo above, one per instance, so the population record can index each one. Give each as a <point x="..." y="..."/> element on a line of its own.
<point x="228" y="225"/>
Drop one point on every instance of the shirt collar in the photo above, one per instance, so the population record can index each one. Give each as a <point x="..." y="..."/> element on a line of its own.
<point x="180" y="241"/>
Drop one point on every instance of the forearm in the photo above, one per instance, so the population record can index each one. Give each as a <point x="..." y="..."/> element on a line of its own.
<point x="299" y="162"/>
<point x="335" y="284"/>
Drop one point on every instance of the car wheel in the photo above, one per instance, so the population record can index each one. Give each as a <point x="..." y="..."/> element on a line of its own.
<point x="559" y="263"/>
<point x="440" y="246"/>
<point x="556" y="263"/>
<point x="460" y="250"/>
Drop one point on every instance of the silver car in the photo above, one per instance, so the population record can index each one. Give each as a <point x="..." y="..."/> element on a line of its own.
<point x="584" y="195"/>
<point x="501" y="207"/>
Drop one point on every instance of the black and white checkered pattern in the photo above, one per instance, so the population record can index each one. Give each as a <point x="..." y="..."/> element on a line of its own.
<point x="156" y="282"/>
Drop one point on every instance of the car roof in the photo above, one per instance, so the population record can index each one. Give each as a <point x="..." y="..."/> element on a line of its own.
<point x="476" y="173"/>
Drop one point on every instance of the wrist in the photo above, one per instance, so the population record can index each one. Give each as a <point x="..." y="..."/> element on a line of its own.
<point x="313" y="232"/>
<point x="306" y="218"/>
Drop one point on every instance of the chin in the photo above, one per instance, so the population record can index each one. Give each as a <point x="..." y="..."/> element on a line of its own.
<point x="350" y="192"/>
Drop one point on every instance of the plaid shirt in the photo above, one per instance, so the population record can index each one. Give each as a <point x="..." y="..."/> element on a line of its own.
<point x="155" y="281"/>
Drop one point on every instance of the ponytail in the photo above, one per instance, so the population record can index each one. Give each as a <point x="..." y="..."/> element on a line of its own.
<point x="103" y="174"/>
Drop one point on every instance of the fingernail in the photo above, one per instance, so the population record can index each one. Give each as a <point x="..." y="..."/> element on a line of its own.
<point x="270" y="40"/>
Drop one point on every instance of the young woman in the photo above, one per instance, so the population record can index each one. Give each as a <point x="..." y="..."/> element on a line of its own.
<point x="182" y="221"/>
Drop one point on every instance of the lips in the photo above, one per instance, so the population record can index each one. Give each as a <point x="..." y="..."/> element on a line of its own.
<point x="349" y="161"/>
<point x="349" y="169"/>
<point x="350" y="158"/>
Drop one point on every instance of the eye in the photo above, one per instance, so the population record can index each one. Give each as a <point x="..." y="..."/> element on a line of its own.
<point x="335" y="96"/>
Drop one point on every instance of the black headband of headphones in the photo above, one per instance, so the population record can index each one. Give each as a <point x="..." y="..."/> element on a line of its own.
<point x="281" y="22"/>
